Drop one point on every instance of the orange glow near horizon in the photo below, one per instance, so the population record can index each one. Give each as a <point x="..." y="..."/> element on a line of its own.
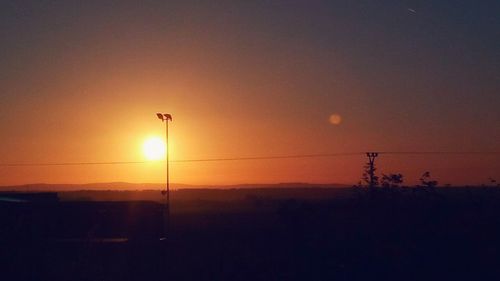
<point x="246" y="81"/>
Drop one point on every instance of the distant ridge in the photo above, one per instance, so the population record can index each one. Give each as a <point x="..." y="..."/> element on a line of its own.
<point x="37" y="187"/>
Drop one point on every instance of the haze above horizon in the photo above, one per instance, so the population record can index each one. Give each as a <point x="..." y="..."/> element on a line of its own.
<point x="81" y="82"/>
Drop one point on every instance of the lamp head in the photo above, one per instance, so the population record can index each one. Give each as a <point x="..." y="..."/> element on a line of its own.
<point x="164" y="117"/>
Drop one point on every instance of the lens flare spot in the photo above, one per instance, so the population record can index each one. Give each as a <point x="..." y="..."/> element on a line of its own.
<point x="335" y="119"/>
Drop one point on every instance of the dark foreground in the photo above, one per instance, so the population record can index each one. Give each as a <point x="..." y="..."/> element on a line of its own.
<point x="451" y="234"/>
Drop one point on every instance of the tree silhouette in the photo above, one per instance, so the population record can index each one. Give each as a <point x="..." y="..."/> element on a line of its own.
<point x="492" y="181"/>
<point x="426" y="180"/>
<point x="365" y="178"/>
<point x="392" y="180"/>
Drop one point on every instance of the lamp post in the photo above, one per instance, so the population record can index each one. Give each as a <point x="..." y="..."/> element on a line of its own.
<point x="165" y="118"/>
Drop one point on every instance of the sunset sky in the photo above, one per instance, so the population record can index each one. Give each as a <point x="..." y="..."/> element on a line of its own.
<point x="81" y="81"/>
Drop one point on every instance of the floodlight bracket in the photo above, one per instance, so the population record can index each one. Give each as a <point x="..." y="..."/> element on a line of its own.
<point x="164" y="117"/>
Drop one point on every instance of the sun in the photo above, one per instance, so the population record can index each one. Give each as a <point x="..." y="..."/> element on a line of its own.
<point x="154" y="148"/>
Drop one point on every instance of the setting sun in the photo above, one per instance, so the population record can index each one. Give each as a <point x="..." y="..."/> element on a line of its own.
<point x="154" y="148"/>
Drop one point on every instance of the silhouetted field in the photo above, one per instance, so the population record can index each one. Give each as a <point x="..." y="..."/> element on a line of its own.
<point x="254" y="234"/>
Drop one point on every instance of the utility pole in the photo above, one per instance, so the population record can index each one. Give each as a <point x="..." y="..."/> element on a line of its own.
<point x="371" y="163"/>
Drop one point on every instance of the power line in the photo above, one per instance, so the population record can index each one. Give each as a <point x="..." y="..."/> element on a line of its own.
<point x="271" y="157"/>
<point x="297" y="156"/>
<point x="182" y="160"/>
<point x="437" y="152"/>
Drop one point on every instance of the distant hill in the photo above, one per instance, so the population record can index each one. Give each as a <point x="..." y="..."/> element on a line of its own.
<point x="37" y="187"/>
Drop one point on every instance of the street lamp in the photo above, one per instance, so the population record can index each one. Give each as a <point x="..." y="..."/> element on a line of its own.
<point x="165" y="118"/>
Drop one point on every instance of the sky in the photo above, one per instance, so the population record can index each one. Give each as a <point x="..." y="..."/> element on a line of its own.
<point x="81" y="81"/>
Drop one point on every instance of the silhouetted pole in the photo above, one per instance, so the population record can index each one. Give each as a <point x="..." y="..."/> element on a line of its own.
<point x="166" y="213"/>
<point x="371" y="162"/>
<point x="168" y="177"/>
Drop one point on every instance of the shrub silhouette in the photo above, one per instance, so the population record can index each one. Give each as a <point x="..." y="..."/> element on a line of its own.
<point x="427" y="181"/>
<point x="392" y="180"/>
